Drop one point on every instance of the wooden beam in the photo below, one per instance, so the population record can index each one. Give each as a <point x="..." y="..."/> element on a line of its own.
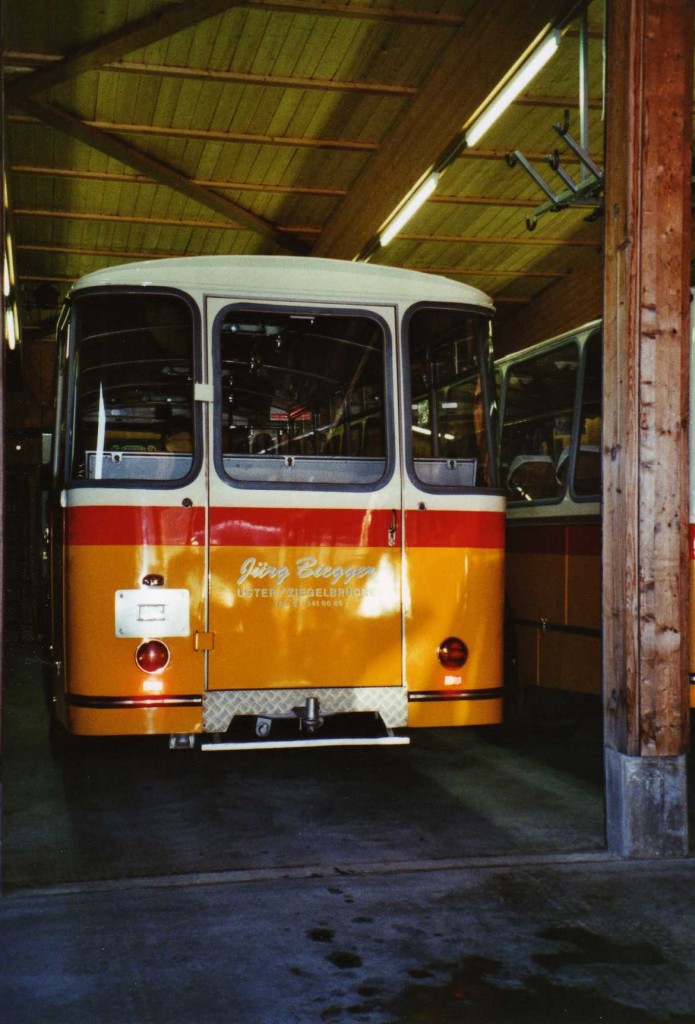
<point x="133" y="36"/>
<point x="302" y="142"/>
<point x="645" y="425"/>
<point x="205" y="135"/>
<point x="266" y="81"/>
<point x="535" y="156"/>
<point x="188" y="222"/>
<point x="119" y="254"/>
<point x="537" y="99"/>
<point x="3" y="413"/>
<point x="457" y="86"/>
<point x="28" y="61"/>
<point x="179" y="16"/>
<point x="138" y="179"/>
<point x="173" y="222"/>
<point x="156" y="170"/>
<point x="465" y="200"/>
<point x="263" y="187"/>
<point x="523" y="240"/>
<point x="358" y="12"/>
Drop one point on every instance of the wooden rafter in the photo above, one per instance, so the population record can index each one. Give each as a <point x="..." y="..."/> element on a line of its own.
<point x="506" y="240"/>
<point x="133" y="36"/>
<point x="27" y="61"/>
<point x="529" y="99"/>
<point x="138" y="179"/>
<point x="358" y="12"/>
<point x="254" y="139"/>
<point x="524" y="240"/>
<point x="95" y="250"/>
<point x="267" y="188"/>
<point x="156" y="170"/>
<point x="179" y="16"/>
<point x="173" y="222"/>
<point x="210" y="135"/>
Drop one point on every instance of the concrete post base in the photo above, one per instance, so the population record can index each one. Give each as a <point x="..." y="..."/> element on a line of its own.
<point x="646" y="805"/>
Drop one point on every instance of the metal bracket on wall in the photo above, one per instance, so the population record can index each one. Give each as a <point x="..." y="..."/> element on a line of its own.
<point x="587" y="192"/>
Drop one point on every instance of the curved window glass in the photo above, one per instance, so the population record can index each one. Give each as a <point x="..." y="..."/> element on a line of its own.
<point x="302" y="398"/>
<point x="537" y="429"/>
<point x="133" y="388"/>
<point x="450" y="397"/>
<point x="586" y="481"/>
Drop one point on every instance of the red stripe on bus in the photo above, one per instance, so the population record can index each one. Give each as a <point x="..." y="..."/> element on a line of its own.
<point x="136" y="524"/>
<point x="554" y="539"/>
<point x="299" y="527"/>
<point x="585" y="539"/>
<point x="535" y="540"/>
<point x="437" y="529"/>
<point x="354" y="528"/>
<point x="292" y="527"/>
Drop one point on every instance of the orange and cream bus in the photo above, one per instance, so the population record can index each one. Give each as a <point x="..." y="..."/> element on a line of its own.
<point x="550" y="465"/>
<point x="274" y="518"/>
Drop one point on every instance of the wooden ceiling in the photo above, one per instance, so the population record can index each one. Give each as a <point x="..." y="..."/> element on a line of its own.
<point x="138" y="129"/>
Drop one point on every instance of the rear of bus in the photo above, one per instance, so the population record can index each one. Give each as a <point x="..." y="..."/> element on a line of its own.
<point x="275" y="517"/>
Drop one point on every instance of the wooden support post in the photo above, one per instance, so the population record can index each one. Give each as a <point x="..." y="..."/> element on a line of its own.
<point x="3" y="229"/>
<point x="645" y="457"/>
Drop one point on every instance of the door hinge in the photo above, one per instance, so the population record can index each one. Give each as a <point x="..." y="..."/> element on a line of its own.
<point x="204" y="641"/>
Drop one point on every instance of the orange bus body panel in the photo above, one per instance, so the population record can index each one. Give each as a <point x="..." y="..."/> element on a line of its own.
<point x="111" y="548"/>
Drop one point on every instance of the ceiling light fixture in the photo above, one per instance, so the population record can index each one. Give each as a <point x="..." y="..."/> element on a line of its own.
<point x="401" y="218"/>
<point x="526" y="71"/>
<point x="519" y="80"/>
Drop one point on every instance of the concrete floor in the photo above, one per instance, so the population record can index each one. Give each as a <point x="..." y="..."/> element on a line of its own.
<point x="461" y="879"/>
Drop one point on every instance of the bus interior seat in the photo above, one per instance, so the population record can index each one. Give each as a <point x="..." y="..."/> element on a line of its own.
<point x="532" y="477"/>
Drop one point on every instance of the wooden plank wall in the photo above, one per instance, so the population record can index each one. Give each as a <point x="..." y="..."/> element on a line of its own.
<point x="573" y="301"/>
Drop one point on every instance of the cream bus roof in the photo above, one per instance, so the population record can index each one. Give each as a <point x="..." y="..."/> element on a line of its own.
<point x="289" y="277"/>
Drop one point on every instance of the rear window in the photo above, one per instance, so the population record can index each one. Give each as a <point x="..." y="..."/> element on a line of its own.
<point x="302" y="398"/>
<point x="133" y="388"/>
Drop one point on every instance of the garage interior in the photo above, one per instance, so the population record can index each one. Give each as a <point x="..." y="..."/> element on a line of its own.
<point x="535" y="871"/>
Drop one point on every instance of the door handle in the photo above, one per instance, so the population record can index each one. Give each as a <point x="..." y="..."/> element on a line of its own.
<point x="393" y="528"/>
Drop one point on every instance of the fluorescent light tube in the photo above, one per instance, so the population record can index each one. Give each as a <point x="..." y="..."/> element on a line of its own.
<point x="419" y="196"/>
<point x="10" y="328"/>
<point x="519" y="80"/>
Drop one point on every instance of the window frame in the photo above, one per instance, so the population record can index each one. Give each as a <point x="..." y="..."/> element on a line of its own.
<point x="70" y="411"/>
<point x="337" y="310"/>
<point x="581" y="339"/>
<point x="491" y="420"/>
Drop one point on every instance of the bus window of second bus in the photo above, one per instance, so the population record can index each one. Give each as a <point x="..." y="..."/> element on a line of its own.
<point x="536" y="432"/>
<point x="586" y="481"/>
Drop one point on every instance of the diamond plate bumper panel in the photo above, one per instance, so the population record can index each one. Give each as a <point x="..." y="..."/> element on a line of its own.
<point x="220" y="706"/>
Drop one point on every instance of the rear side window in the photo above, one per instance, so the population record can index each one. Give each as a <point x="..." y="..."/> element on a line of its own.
<point x="450" y="397"/>
<point x="133" y="388"/>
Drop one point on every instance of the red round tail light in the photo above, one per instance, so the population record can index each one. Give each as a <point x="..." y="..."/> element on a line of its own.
<point x="452" y="652"/>
<point x="152" y="656"/>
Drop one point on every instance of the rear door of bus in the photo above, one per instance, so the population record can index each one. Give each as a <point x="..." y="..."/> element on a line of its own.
<point x="305" y="523"/>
